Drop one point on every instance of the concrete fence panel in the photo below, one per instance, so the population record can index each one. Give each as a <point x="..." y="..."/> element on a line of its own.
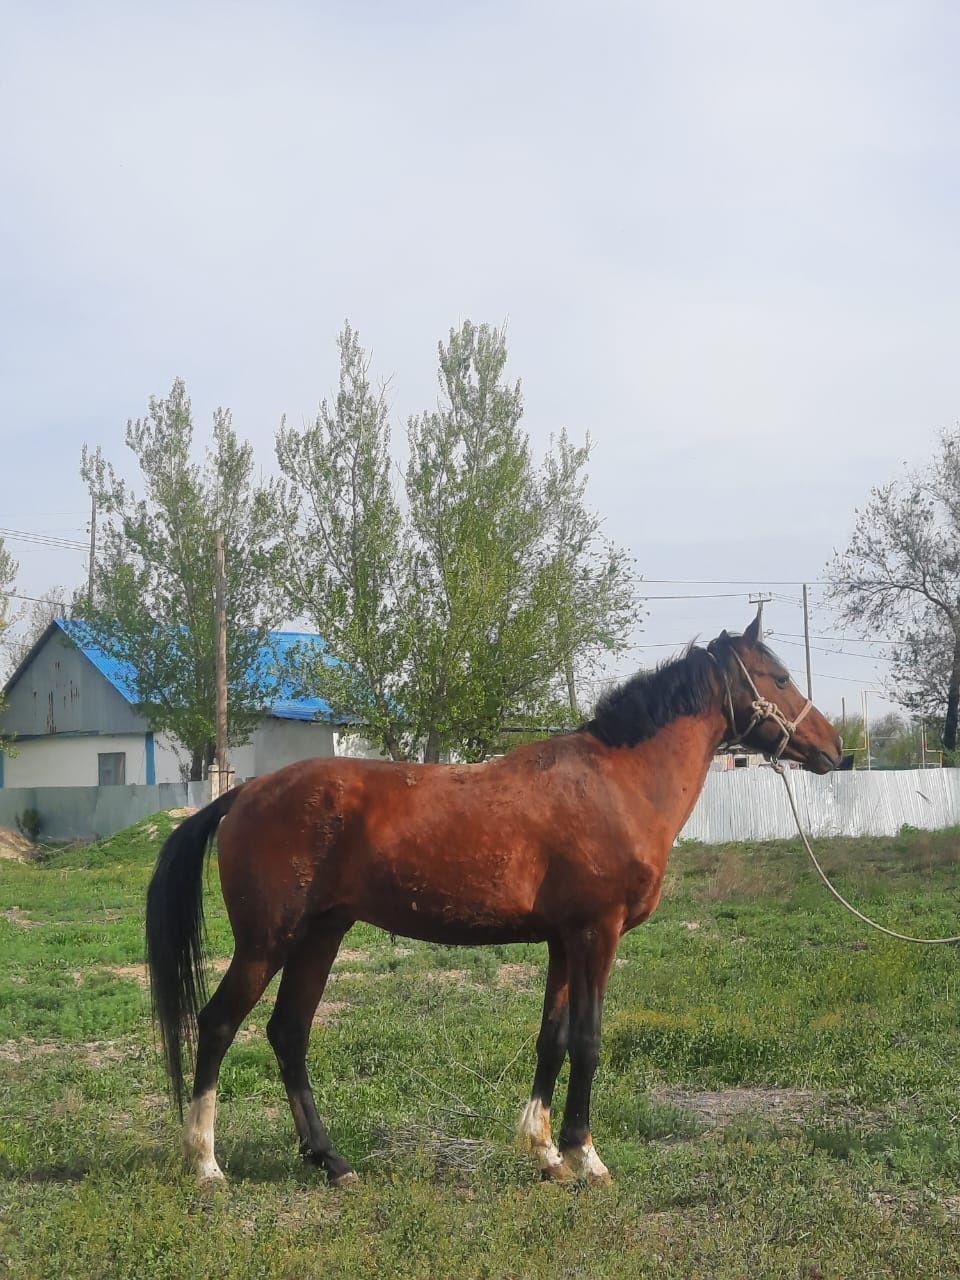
<point x="86" y="813"/>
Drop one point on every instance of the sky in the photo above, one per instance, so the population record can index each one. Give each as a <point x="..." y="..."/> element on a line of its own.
<point x="723" y="239"/>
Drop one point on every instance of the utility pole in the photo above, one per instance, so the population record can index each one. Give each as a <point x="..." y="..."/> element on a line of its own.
<point x="760" y="599"/>
<point x="221" y="665"/>
<point x="93" y="546"/>
<point x="806" y="640"/>
<point x="866" y="727"/>
<point x="843" y="712"/>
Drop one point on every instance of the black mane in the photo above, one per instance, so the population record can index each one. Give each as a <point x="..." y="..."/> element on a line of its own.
<point x="638" y="708"/>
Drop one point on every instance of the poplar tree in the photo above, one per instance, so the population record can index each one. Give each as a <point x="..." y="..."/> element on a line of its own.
<point x="153" y="597"/>
<point x="472" y="598"/>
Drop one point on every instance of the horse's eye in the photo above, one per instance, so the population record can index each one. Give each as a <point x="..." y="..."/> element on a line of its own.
<point x="781" y="681"/>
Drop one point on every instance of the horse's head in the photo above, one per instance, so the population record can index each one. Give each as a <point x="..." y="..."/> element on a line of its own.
<point x="765" y="709"/>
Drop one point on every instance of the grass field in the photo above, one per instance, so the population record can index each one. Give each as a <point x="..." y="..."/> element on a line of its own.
<point x="777" y="1096"/>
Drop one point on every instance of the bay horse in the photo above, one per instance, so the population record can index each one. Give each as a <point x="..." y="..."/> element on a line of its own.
<point x="562" y="841"/>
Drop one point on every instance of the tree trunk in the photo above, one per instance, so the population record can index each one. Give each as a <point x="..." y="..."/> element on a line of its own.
<point x="953" y="702"/>
<point x="571" y="688"/>
<point x="431" y="752"/>
<point x="201" y="759"/>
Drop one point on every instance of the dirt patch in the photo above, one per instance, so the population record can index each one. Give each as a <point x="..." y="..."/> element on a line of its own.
<point x="94" y="1053"/>
<point x="20" y="918"/>
<point x="517" y="977"/>
<point x="327" y="1012"/>
<point x="15" y="846"/>
<point x="722" y="1107"/>
<point x="180" y="814"/>
<point x="350" y="955"/>
<point x="911" y="1204"/>
<point x="447" y="977"/>
<point x="136" y="971"/>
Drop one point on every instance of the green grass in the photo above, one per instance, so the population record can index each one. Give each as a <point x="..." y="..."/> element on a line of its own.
<point x="777" y="1097"/>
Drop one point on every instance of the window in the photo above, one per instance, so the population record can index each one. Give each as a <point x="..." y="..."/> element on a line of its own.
<point x="111" y="768"/>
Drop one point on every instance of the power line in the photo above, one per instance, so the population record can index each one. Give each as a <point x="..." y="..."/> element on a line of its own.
<point x="15" y="595"/>
<point x="839" y="639"/>
<point x="740" y="582"/>
<point x="836" y="653"/>
<point x="43" y="539"/>
<point x="715" y="595"/>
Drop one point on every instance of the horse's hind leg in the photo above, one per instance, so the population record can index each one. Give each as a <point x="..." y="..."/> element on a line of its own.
<point x="304" y="978"/>
<point x="551" y="1051"/>
<point x="217" y="1023"/>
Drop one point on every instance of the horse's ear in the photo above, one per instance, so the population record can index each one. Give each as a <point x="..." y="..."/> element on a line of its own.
<point x="752" y="633"/>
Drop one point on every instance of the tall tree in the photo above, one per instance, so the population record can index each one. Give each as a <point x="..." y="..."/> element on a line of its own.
<point x="345" y="567"/>
<point x="900" y="577"/>
<point x="153" y="603"/>
<point x="595" y="604"/>
<point x="468" y="608"/>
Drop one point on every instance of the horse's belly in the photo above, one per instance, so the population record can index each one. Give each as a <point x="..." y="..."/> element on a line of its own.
<point x="456" y="901"/>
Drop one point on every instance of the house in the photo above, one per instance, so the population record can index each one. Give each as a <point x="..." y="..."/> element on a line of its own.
<point x="72" y="711"/>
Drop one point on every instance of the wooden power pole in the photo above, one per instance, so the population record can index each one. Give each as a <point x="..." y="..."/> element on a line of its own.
<point x="806" y="640"/>
<point x="221" y="661"/>
<point x="93" y="547"/>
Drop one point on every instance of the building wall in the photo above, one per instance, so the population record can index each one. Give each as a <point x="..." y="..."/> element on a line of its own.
<point x="70" y="760"/>
<point x="279" y="742"/>
<point x="61" y="691"/>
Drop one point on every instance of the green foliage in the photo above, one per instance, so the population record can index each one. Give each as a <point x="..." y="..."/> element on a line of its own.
<point x="153" y="604"/>
<point x="345" y="569"/>
<point x="470" y="608"/>
<point x="895" y="743"/>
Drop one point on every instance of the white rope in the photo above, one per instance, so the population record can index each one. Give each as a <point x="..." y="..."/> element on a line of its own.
<point x="892" y="933"/>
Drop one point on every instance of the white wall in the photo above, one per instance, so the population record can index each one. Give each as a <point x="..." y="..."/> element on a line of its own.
<point x="67" y="761"/>
<point x="71" y="761"/>
<point x="352" y="744"/>
<point x="279" y="742"/>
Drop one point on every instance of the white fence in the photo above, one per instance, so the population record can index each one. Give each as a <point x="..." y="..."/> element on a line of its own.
<point x="740" y="804"/>
<point x="751" y="804"/>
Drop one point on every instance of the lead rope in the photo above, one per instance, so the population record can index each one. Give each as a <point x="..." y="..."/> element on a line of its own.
<point x="892" y="933"/>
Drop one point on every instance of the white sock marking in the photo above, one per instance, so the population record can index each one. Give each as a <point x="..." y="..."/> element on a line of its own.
<point x="198" y="1136"/>
<point x="535" y="1134"/>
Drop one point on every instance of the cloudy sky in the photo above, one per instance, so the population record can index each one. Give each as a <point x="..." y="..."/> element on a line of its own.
<point x="723" y="238"/>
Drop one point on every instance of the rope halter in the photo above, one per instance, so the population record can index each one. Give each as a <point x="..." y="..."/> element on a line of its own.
<point x="761" y="709"/>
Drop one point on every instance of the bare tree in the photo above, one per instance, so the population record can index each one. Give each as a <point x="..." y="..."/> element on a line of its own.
<point x="899" y="577"/>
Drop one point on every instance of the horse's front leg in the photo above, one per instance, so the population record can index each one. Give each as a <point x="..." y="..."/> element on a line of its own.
<point x="551" y="1050"/>
<point x="590" y="953"/>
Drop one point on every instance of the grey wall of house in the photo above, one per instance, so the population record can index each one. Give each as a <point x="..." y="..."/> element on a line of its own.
<point x="61" y="691"/>
<point x="281" y="742"/>
<point x="84" y="813"/>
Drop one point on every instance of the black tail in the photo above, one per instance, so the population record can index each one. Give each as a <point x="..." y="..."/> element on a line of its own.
<point x="176" y="935"/>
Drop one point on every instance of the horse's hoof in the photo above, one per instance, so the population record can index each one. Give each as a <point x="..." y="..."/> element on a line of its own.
<point x="582" y="1164"/>
<point x="349" y="1179"/>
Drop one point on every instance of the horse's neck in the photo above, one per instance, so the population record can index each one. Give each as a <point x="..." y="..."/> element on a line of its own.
<point x="671" y="767"/>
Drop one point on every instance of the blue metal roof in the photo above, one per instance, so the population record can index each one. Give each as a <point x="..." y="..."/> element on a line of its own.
<point x="279" y="645"/>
